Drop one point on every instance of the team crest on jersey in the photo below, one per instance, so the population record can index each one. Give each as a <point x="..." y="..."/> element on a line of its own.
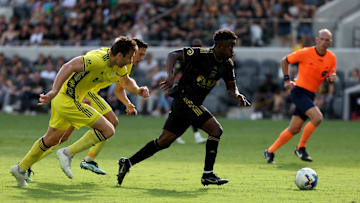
<point x="323" y="74"/>
<point x="190" y="52"/>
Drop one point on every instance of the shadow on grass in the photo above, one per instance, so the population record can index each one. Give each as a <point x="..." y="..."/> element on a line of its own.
<point x="171" y="193"/>
<point x="52" y="191"/>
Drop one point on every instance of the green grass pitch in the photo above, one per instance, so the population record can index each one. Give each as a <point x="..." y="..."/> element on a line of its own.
<point x="173" y="175"/>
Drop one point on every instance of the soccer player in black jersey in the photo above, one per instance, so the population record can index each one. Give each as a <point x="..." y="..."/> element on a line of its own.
<point x="202" y="69"/>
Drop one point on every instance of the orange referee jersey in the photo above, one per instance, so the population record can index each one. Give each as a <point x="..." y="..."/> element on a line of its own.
<point x="313" y="68"/>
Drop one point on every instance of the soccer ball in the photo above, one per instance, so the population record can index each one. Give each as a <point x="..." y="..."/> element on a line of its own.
<point x="306" y="179"/>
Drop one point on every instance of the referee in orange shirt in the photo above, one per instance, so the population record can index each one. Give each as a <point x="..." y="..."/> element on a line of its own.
<point x="315" y="64"/>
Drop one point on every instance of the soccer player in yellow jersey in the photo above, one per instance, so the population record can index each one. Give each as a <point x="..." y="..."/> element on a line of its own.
<point x="74" y="80"/>
<point x="97" y="102"/>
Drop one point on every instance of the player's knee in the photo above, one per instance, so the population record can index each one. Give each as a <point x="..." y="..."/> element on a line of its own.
<point x="218" y="132"/>
<point x="294" y="130"/>
<point x="316" y="121"/>
<point x="110" y="131"/>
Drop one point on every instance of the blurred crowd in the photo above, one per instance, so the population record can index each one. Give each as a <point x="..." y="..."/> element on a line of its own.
<point x="21" y="82"/>
<point x="159" y="22"/>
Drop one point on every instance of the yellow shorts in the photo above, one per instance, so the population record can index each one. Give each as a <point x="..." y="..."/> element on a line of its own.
<point x="98" y="103"/>
<point x="66" y="112"/>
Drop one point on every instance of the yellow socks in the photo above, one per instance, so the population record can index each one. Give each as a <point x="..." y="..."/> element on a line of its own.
<point x="90" y="138"/>
<point x="94" y="151"/>
<point x="49" y="151"/>
<point x="34" y="154"/>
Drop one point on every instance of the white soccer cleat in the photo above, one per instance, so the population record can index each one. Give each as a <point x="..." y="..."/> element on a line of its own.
<point x="20" y="177"/>
<point x="179" y="140"/>
<point x="198" y="138"/>
<point x="65" y="162"/>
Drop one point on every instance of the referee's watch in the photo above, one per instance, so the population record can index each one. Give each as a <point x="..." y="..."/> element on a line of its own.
<point x="286" y="78"/>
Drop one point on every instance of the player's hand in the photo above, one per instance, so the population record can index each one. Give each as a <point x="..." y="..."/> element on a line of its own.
<point x="243" y="101"/>
<point x="331" y="79"/>
<point x="289" y="84"/>
<point x="144" y="92"/>
<point x="46" y="98"/>
<point x="130" y="109"/>
<point x="167" y="84"/>
<point x="86" y="101"/>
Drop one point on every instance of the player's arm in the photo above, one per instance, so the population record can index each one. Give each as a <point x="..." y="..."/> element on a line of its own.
<point x="130" y="85"/>
<point x="177" y="55"/>
<point x="74" y="65"/>
<point x="233" y="92"/>
<point x="121" y="95"/>
<point x="288" y="84"/>
<point x="332" y="75"/>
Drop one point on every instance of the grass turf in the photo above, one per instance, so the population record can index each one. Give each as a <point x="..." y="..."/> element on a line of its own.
<point x="173" y="175"/>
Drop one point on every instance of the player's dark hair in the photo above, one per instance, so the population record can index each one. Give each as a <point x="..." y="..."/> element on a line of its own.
<point x="140" y="43"/>
<point x="224" y="35"/>
<point x="122" y="45"/>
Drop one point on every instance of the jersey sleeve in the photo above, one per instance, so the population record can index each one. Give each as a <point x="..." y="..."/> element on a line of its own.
<point x="296" y="57"/>
<point x="229" y="74"/>
<point x="90" y="62"/>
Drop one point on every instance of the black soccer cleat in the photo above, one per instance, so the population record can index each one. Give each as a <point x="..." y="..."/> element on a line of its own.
<point x="269" y="156"/>
<point x="302" y="154"/>
<point x="124" y="167"/>
<point x="212" y="179"/>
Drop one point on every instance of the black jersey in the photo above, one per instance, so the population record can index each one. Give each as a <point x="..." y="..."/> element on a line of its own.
<point x="200" y="72"/>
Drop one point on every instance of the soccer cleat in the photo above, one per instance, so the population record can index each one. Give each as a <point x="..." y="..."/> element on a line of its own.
<point x="28" y="174"/>
<point x="302" y="154"/>
<point x="92" y="166"/>
<point x="65" y="162"/>
<point x="199" y="139"/>
<point x="212" y="179"/>
<point x="124" y="167"/>
<point x="19" y="176"/>
<point x="179" y="140"/>
<point x="269" y="156"/>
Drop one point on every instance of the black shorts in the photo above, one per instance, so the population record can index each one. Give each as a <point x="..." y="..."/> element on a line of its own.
<point x="185" y="113"/>
<point x="303" y="100"/>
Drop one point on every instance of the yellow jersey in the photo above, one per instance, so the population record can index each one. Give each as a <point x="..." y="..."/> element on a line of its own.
<point x="97" y="74"/>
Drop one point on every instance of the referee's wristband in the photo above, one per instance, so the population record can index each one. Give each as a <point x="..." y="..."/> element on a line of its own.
<point x="286" y="78"/>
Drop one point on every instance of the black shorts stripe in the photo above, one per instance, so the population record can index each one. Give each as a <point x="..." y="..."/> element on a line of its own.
<point x="97" y="101"/>
<point x="80" y="108"/>
<point x="83" y="62"/>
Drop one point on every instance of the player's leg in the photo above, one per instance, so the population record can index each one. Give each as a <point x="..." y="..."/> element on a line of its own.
<point x="50" y="150"/>
<point x="101" y="130"/>
<point x="152" y="147"/>
<point x="214" y="130"/>
<point x="40" y="146"/>
<point x="316" y="118"/>
<point x="294" y="128"/>
<point x="175" y="126"/>
<point x="63" y="139"/>
<point x="197" y="136"/>
<point x="81" y="114"/>
<point x="100" y="105"/>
